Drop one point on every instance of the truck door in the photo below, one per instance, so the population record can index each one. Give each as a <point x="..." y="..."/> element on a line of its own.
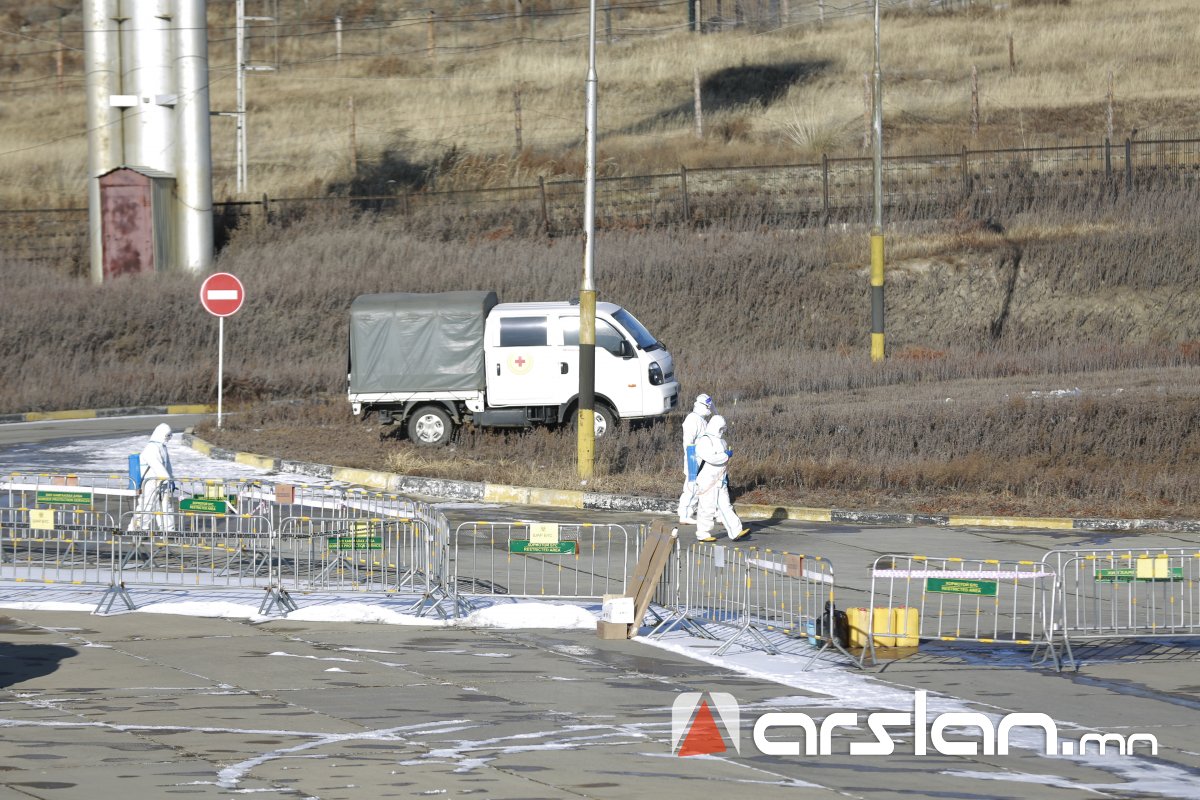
<point x="521" y="364"/>
<point x="617" y="377"/>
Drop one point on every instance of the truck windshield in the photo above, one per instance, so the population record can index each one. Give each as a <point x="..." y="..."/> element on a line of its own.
<point x="645" y="340"/>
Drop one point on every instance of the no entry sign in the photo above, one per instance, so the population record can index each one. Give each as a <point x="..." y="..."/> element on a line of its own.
<point x="222" y="294"/>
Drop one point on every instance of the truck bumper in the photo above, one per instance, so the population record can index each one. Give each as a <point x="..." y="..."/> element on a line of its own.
<point x="659" y="400"/>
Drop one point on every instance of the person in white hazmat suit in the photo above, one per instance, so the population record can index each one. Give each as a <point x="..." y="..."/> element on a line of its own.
<point x="157" y="485"/>
<point x="693" y="426"/>
<point x="712" y="484"/>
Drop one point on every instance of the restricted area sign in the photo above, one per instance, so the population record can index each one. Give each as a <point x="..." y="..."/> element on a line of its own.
<point x="222" y="294"/>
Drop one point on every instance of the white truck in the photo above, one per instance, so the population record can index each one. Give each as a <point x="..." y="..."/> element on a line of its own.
<point x="434" y="362"/>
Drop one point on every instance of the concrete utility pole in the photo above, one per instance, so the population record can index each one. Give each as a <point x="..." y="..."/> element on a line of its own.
<point x="241" y="97"/>
<point x="877" y="350"/>
<point x="586" y="420"/>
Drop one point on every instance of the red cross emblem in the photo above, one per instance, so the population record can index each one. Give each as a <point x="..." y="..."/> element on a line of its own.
<point x="519" y="364"/>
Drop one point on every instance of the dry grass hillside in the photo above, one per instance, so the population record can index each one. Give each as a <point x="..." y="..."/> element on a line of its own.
<point x="1044" y="351"/>
<point x="436" y="102"/>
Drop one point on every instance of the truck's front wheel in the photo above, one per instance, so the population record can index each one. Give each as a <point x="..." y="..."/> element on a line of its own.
<point x="430" y="426"/>
<point x="606" y="420"/>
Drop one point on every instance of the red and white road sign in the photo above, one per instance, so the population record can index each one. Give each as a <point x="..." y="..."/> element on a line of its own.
<point x="222" y="294"/>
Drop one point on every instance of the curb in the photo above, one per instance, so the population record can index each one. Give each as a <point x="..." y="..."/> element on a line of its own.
<point x="100" y="413"/>
<point x="565" y="498"/>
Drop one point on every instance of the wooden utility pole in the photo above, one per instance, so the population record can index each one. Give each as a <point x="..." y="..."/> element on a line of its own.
<point x="1012" y="58"/>
<point x="974" y="101"/>
<point x="518" y="144"/>
<point x="1108" y="122"/>
<point x="698" y="105"/>
<point x="58" y="64"/>
<point x="337" y="36"/>
<point x="353" y="141"/>
<point x="431" y="43"/>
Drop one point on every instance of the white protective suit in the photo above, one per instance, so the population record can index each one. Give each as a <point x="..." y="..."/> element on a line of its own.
<point x="693" y="426"/>
<point x="711" y="484"/>
<point x="156" y="489"/>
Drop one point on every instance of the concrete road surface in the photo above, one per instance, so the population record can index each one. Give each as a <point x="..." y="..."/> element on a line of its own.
<point x="142" y="705"/>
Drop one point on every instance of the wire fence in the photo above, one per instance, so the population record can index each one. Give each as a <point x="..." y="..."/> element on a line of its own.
<point x="833" y="190"/>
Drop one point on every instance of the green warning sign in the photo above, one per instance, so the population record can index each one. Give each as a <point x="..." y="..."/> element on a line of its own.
<point x="355" y="542"/>
<point x="960" y="586"/>
<point x="56" y="497"/>
<point x="545" y="548"/>
<point x="1127" y="574"/>
<point x="202" y="505"/>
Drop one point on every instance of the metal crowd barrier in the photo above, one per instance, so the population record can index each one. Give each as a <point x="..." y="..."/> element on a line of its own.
<point x="960" y="599"/>
<point x="225" y="533"/>
<point x="715" y="601"/>
<point x="524" y="559"/>
<point x="788" y="591"/>
<point x="115" y="495"/>
<point x="107" y="494"/>
<point x="1125" y="593"/>
<point x="741" y="594"/>
<point x="189" y="549"/>
<point x="57" y="545"/>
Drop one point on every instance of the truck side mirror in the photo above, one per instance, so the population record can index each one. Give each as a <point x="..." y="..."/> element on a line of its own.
<point x="626" y="349"/>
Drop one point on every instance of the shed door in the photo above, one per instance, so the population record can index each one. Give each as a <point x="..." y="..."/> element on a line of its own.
<point x="128" y="226"/>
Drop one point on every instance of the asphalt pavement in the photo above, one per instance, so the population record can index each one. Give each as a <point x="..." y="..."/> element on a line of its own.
<point x="139" y="705"/>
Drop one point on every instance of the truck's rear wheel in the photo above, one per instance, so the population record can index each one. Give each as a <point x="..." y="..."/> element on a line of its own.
<point x="430" y="426"/>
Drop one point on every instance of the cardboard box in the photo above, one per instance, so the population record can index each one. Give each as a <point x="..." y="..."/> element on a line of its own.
<point x="618" y="609"/>
<point x="613" y="630"/>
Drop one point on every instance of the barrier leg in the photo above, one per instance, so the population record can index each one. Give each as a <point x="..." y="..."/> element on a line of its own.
<point x="114" y="591"/>
<point x="276" y="597"/>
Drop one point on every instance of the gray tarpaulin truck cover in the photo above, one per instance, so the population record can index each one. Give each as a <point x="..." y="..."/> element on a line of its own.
<point x="418" y="342"/>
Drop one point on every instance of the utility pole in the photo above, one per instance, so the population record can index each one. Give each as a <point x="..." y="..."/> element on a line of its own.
<point x="586" y="421"/>
<point x="353" y="141"/>
<point x="241" y="97"/>
<point x="242" y="68"/>
<point x="877" y="350"/>
<point x="518" y="143"/>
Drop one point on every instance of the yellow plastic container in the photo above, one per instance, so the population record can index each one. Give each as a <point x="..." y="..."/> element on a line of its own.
<point x="881" y="625"/>
<point x="891" y="627"/>
<point x="905" y="623"/>
<point x="859" y="620"/>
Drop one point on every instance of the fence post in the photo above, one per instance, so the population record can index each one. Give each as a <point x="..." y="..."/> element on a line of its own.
<point x="431" y="36"/>
<point x="1107" y="159"/>
<point x="966" y="172"/>
<point x="545" y="212"/>
<point x="266" y="205"/>
<point x="687" y="209"/>
<point x="1129" y="165"/>
<point x="407" y="210"/>
<point x="825" y="186"/>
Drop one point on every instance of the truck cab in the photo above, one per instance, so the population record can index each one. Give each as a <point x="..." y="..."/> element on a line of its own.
<point x="532" y="355"/>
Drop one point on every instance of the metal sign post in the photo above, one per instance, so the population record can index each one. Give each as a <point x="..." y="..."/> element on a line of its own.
<point x="221" y="295"/>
